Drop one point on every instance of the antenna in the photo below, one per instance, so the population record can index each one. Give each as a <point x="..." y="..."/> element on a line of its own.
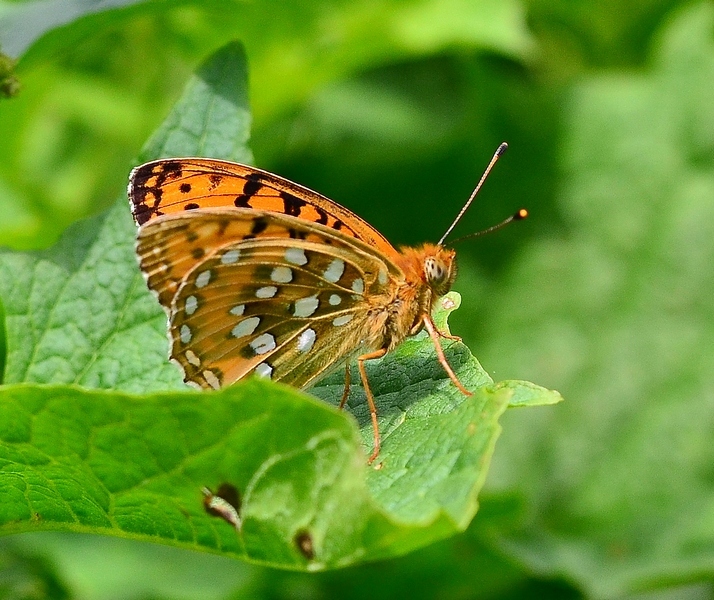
<point x="499" y="151"/>
<point x="517" y="216"/>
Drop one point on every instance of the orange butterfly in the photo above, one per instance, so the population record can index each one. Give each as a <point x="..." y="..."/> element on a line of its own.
<point x="261" y="275"/>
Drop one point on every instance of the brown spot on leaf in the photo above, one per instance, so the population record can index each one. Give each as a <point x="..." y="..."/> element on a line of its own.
<point x="225" y="504"/>
<point x="303" y="542"/>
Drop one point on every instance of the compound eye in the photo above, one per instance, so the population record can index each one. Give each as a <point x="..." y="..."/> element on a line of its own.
<point x="434" y="270"/>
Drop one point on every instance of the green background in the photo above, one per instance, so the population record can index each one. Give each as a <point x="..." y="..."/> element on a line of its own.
<point x="393" y="109"/>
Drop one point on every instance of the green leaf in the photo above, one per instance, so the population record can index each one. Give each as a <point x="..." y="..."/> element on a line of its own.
<point x="617" y="484"/>
<point x="106" y="461"/>
<point x="101" y="461"/>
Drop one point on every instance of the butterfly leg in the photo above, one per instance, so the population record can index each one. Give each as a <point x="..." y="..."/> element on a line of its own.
<point x="434" y="335"/>
<point x="448" y="336"/>
<point x="348" y="380"/>
<point x="370" y="398"/>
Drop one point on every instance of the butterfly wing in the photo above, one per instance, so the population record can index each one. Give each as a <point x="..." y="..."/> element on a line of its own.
<point x="282" y="305"/>
<point x="170" y="186"/>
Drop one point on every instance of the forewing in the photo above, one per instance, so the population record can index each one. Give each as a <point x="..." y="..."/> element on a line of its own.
<point x="170" y="186"/>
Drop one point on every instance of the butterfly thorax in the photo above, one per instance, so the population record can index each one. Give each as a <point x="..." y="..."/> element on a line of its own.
<point x="429" y="272"/>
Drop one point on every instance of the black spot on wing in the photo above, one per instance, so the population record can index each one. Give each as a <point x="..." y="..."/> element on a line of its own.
<point x="292" y="204"/>
<point x="251" y="188"/>
<point x="247" y="351"/>
<point x="171" y="169"/>
<point x="222" y="226"/>
<point x="259" y="226"/>
<point x="142" y="213"/>
<point x="323" y="215"/>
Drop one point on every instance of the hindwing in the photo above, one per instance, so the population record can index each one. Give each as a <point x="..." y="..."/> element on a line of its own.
<point x="286" y="302"/>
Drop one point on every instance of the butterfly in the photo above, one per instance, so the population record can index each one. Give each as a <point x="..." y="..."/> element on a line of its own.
<point x="260" y="275"/>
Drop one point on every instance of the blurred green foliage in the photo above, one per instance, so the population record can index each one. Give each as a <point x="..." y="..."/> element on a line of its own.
<point x="392" y="108"/>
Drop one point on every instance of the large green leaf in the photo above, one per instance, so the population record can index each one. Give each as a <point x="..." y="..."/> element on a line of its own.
<point x="617" y="484"/>
<point x="103" y="460"/>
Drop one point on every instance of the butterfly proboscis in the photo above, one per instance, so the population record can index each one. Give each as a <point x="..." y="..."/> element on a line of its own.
<point x="261" y="275"/>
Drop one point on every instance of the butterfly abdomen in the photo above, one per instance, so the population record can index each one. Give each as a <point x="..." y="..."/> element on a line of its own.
<point x="395" y="313"/>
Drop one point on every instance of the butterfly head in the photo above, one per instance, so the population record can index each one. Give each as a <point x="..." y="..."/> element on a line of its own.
<point x="439" y="269"/>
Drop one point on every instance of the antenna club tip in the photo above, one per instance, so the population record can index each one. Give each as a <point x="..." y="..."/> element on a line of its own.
<point x="501" y="149"/>
<point x="521" y="214"/>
